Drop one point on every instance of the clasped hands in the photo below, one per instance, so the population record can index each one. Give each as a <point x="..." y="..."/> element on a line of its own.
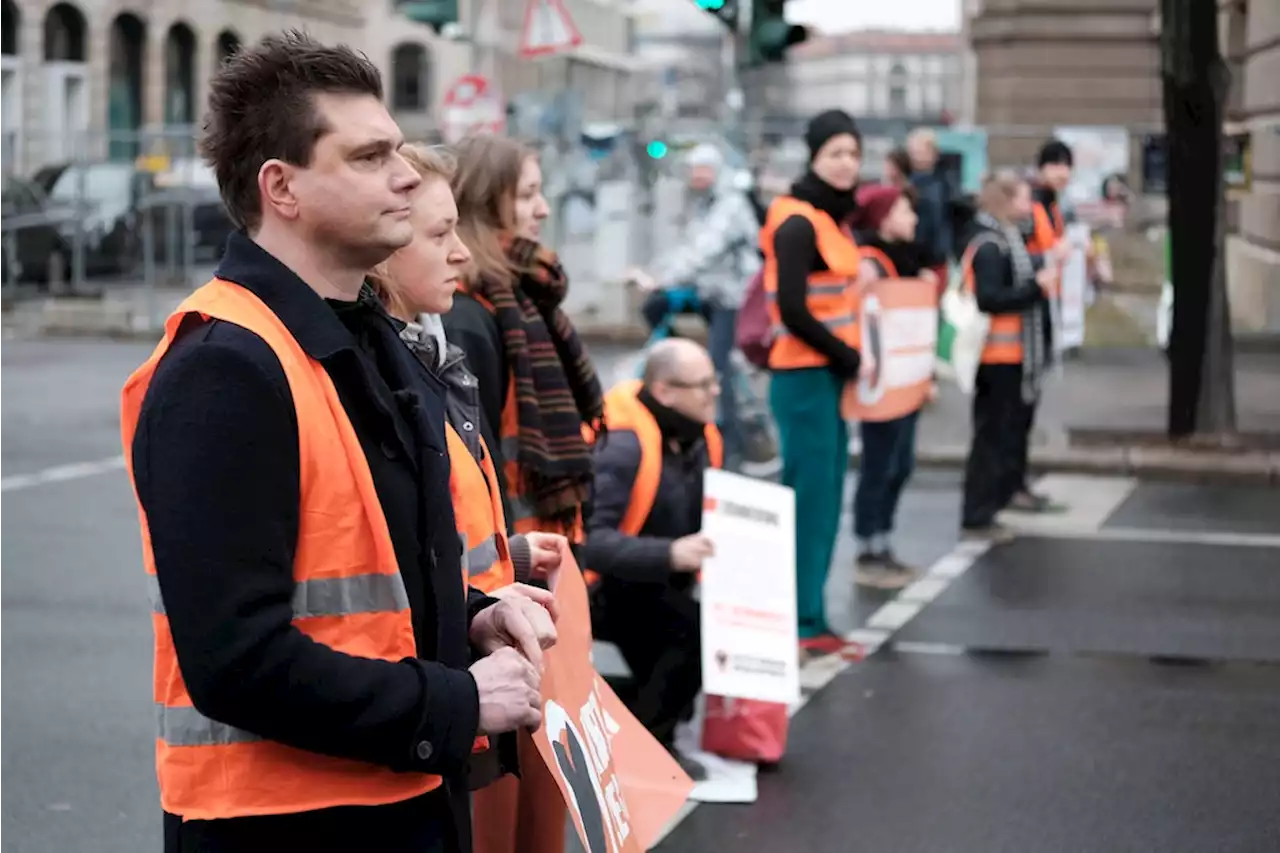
<point x="512" y="636"/>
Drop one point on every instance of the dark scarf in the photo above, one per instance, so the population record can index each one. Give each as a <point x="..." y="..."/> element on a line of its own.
<point x="556" y="388"/>
<point x="839" y="205"/>
<point x="907" y="258"/>
<point x="674" y="426"/>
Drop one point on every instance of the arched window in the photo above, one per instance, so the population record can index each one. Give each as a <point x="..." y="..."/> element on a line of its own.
<point x="180" y="75"/>
<point x="228" y="45"/>
<point x="124" y="87"/>
<point x="64" y="32"/>
<point x="409" y="78"/>
<point x="12" y="23"/>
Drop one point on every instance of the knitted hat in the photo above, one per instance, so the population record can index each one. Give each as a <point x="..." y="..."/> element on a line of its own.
<point x="874" y="203"/>
<point x="825" y="125"/>
<point x="1053" y="152"/>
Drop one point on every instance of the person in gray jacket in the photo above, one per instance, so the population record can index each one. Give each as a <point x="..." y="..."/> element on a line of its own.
<point x="717" y="258"/>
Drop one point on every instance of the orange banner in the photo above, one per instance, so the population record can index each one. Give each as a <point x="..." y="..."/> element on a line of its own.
<point x="620" y="785"/>
<point x="899" y="318"/>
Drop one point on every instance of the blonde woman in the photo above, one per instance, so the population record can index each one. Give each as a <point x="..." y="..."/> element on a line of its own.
<point x="1002" y="274"/>
<point x="417" y="284"/>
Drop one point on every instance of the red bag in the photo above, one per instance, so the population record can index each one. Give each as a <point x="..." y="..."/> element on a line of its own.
<point x="754" y="333"/>
<point x="745" y="729"/>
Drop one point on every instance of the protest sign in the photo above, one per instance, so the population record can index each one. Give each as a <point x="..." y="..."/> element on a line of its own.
<point x="748" y="594"/>
<point x="899" y="318"/>
<point x="620" y="785"/>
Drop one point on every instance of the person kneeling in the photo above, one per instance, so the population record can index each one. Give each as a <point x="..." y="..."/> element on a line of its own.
<point x="643" y="536"/>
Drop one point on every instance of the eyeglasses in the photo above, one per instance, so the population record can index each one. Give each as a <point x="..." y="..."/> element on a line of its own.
<point x="708" y="384"/>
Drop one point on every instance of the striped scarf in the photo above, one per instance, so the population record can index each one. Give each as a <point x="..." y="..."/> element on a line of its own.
<point x="1035" y="355"/>
<point x="556" y="388"/>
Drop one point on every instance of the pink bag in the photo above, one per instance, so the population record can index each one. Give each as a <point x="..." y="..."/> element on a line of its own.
<point x="754" y="334"/>
<point x="745" y="729"/>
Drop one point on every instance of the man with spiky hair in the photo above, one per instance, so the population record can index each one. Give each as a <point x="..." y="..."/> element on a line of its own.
<point x="322" y="672"/>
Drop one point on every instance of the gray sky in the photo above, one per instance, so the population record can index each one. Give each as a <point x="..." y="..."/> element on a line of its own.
<point x="837" y="16"/>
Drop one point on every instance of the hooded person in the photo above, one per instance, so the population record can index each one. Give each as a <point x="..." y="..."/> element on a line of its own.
<point x="716" y="258"/>
<point x="810" y="279"/>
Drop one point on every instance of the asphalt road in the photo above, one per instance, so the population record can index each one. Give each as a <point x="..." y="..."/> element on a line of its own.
<point x="1107" y="682"/>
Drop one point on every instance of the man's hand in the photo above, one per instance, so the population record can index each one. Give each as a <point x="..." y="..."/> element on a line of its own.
<point x="688" y="552"/>
<point x="509" y="689"/>
<point x="546" y="553"/>
<point x="517" y="622"/>
<point x="929" y="276"/>
<point x="536" y="594"/>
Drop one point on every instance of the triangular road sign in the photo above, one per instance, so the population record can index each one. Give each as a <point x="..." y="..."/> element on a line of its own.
<point x="548" y="29"/>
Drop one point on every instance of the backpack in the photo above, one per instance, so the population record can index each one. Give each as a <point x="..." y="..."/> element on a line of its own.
<point x="754" y="332"/>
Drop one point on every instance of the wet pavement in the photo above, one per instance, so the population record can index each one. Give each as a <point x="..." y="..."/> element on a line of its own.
<point x="1113" y="685"/>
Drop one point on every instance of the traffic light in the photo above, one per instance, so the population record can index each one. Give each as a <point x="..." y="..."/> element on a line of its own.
<point x="771" y="35"/>
<point x="657" y="149"/>
<point x="433" y="13"/>
<point x="725" y="10"/>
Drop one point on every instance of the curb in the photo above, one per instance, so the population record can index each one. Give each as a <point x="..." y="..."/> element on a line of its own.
<point x="1145" y="463"/>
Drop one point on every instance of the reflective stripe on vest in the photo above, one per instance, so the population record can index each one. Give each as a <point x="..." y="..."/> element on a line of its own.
<point x="477" y="506"/>
<point x="623" y="411"/>
<point x="886" y="267"/>
<point x="348" y="595"/>
<point x="1004" y="336"/>
<point x="831" y="295"/>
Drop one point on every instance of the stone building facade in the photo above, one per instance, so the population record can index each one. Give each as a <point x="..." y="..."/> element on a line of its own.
<point x="97" y="78"/>
<point x="1251" y="34"/>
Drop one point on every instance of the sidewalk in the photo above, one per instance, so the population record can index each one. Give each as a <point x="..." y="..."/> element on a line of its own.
<point x="1106" y="413"/>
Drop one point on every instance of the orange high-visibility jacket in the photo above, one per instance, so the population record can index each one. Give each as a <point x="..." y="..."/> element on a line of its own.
<point x="624" y="411"/>
<point x="887" y="267"/>
<point x="348" y="595"/>
<point x="523" y="515"/>
<point x="832" y="295"/>
<point x="1048" y="229"/>
<point x="477" y="506"/>
<point x="1004" y="336"/>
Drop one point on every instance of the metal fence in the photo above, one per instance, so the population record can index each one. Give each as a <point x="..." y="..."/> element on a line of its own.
<point x="120" y="212"/>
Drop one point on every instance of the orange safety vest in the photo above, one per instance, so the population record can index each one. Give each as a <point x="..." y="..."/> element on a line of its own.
<point x="348" y="595"/>
<point x="832" y="295"/>
<point x="1004" y="336"/>
<point x="477" y="506"/>
<point x="887" y="268"/>
<point x="524" y="517"/>
<point x="624" y="411"/>
<point x="1048" y="228"/>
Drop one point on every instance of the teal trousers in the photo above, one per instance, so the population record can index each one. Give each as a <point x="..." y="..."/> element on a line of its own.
<point x="815" y="456"/>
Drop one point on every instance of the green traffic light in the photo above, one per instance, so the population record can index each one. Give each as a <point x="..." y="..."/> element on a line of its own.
<point x="711" y="5"/>
<point x="657" y="149"/>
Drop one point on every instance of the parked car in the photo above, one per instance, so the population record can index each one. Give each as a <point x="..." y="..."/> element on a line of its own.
<point x="34" y="246"/>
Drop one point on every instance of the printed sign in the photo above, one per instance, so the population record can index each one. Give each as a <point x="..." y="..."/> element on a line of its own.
<point x="620" y="785"/>
<point x="750" y="649"/>
<point x="472" y="105"/>
<point x="899" y="319"/>
<point x="1073" y="295"/>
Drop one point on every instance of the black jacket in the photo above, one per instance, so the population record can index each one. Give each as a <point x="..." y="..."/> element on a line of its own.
<point x="677" y="511"/>
<point x="216" y="465"/>
<point x="995" y="285"/>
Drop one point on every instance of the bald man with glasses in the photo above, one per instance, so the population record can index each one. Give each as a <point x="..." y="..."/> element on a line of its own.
<point x="643" y="535"/>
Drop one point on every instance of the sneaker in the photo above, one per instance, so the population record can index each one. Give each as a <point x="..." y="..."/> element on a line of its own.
<point x="994" y="532"/>
<point x="1030" y="502"/>
<point x="882" y="571"/>
<point x="829" y="644"/>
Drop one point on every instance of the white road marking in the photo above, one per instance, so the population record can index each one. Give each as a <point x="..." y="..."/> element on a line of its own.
<point x="61" y="473"/>
<point x="1155" y="536"/>
<point x="890" y="617"/>
<point x="1088" y="500"/>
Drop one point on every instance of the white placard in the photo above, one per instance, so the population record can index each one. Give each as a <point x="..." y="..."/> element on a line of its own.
<point x="750" y="649"/>
<point x="1075" y="286"/>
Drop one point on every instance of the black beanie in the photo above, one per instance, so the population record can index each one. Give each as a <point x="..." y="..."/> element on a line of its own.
<point x="1054" y="151"/>
<point x="823" y="126"/>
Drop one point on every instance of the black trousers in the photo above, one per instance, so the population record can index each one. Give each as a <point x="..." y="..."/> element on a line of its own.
<point x="657" y="628"/>
<point x="996" y="469"/>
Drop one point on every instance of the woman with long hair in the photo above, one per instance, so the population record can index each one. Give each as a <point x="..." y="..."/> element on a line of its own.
<point x="537" y="385"/>
<point x="417" y="285"/>
<point x="998" y="267"/>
